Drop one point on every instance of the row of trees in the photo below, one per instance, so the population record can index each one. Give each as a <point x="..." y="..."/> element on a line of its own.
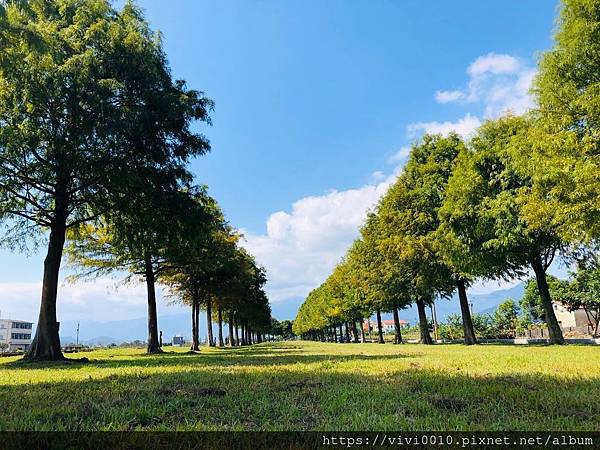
<point x="520" y="192"/>
<point x="95" y="138"/>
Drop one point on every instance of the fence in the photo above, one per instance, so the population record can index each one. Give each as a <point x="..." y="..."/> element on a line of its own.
<point x="542" y="333"/>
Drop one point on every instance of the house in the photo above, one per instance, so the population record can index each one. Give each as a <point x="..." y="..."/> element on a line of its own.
<point x="15" y="335"/>
<point x="178" y="340"/>
<point x="571" y="319"/>
<point x="387" y="326"/>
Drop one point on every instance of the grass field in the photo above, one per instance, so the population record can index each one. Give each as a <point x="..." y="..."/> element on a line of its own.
<point x="305" y="385"/>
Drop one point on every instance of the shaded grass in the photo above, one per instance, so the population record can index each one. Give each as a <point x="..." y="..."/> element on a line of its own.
<point x="306" y="385"/>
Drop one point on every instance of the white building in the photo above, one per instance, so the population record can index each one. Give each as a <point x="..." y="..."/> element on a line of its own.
<point x="15" y="335"/>
<point x="572" y="319"/>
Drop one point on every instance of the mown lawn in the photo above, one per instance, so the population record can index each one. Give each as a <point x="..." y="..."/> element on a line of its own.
<point x="305" y="385"/>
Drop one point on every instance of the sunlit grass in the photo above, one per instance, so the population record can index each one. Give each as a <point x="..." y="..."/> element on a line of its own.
<point x="306" y="385"/>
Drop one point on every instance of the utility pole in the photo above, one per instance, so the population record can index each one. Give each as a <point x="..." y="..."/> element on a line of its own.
<point x="77" y="343"/>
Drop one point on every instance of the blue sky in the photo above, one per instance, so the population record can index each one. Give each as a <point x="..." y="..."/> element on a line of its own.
<point x="316" y="102"/>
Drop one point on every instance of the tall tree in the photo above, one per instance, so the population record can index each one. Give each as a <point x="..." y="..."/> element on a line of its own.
<point x="153" y="236"/>
<point x="483" y="206"/>
<point x="72" y="105"/>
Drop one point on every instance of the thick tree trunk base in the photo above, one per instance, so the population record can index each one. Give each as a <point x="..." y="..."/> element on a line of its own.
<point x="154" y="350"/>
<point x="423" y="325"/>
<point x="45" y="346"/>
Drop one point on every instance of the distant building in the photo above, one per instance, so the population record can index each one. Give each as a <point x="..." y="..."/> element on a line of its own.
<point x="15" y="335"/>
<point x="386" y="325"/>
<point x="571" y="319"/>
<point x="178" y="340"/>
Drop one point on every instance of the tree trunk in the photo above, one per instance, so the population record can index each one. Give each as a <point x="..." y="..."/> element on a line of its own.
<point x="237" y="332"/>
<point x="424" y="327"/>
<point x="347" y="332"/>
<point x="153" y="343"/>
<point x="556" y="336"/>
<point x="195" y="346"/>
<point x="209" y="332"/>
<point x="341" y="333"/>
<point x="46" y="343"/>
<point x="398" y="337"/>
<point x="333" y="329"/>
<point x="198" y="322"/>
<point x="220" y="319"/>
<point x="243" y="333"/>
<point x="468" y="330"/>
<point x="379" y="327"/>
<point x="231" y="343"/>
<point x="354" y="332"/>
<point x="362" y="330"/>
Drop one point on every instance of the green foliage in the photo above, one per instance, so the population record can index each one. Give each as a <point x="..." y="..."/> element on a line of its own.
<point x="506" y="319"/>
<point x="90" y="117"/>
<point x="282" y="329"/>
<point x="408" y="215"/>
<point x="484" y="325"/>
<point x="564" y="163"/>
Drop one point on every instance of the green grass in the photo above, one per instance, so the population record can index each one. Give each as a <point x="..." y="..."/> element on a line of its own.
<point x="305" y="385"/>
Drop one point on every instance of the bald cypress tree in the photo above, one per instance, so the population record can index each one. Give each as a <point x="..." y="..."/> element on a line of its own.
<point x="86" y="118"/>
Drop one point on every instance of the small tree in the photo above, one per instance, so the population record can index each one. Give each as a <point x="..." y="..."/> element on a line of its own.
<point x="506" y="318"/>
<point x="583" y="292"/>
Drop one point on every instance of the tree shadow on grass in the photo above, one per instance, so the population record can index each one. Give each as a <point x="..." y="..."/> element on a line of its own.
<point x="214" y="397"/>
<point x="236" y="356"/>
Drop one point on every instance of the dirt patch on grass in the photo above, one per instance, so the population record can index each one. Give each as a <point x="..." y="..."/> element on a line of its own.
<point x="448" y="404"/>
<point x="577" y="413"/>
<point x="515" y="381"/>
<point x="191" y="391"/>
<point x="305" y="384"/>
<point x="211" y="392"/>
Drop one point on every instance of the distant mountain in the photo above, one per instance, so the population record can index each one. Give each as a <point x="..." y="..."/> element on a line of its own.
<point x="67" y="340"/>
<point x="101" y="341"/>
<point x="118" y="331"/>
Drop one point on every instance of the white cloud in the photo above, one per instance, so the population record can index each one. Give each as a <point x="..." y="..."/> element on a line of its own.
<point x="464" y="127"/>
<point x="301" y="247"/>
<point x="495" y="64"/>
<point x="103" y="299"/>
<point x="499" y="82"/>
<point x="448" y="96"/>
<point x="377" y="176"/>
<point x="400" y="155"/>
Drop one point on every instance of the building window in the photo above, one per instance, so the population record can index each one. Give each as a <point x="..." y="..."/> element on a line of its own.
<point x="22" y="325"/>
<point x="21" y="336"/>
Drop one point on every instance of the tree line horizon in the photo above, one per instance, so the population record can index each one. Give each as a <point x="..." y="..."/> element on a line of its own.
<point x="518" y="193"/>
<point x="96" y="138"/>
